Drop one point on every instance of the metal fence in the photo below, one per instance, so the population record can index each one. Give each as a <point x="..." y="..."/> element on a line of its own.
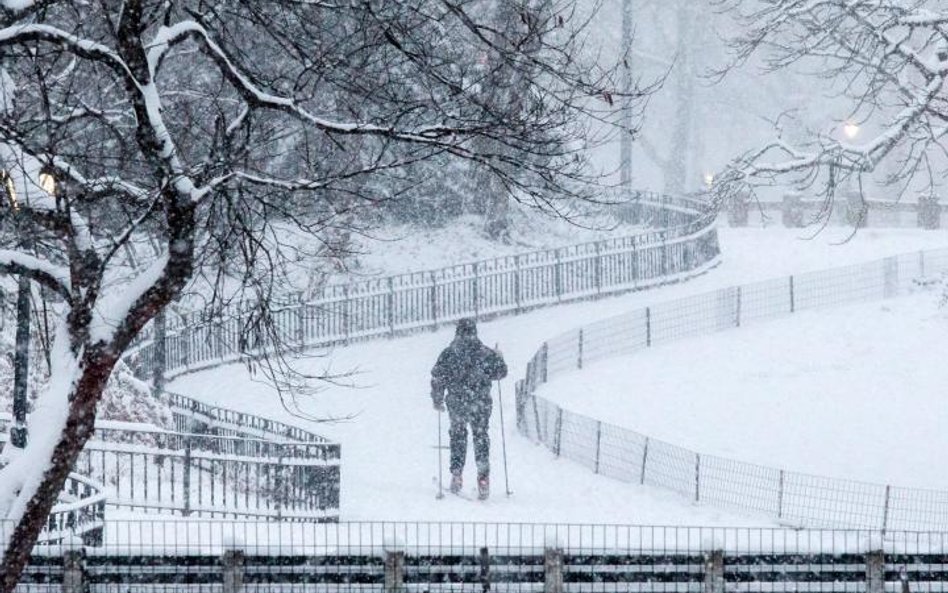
<point x="216" y="462"/>
<point x="686" y="245"/>
<point x="794" y="498"/>
<point x="228" y="557"/>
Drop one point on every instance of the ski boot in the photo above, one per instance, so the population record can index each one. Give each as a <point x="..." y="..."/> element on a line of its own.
<point x="456" y="483"/>
<point x="483" y="487"/>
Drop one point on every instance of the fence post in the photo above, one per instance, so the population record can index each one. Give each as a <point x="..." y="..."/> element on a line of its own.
<point x="476" y="289"/>
<point x="160" y="353"/>
<point x="544" y="356"/>
<point x="780" y="488"/>
<point x="885" y="508"/>
<point x="232" y="566"/>
<point x="74" y="572"/>
<point x="485" y="569"/>
<point x="664" y="254"/>
<point x="433" y="301"/>
<point x="875" y="572"/>
<point x="557" y="274"/>
<point x="598" y="268"/>
<point x="391" y="307"/>
<point x="697" y="477"/>
<point x="559" y="431"/>
<point x="793" y="296"/>
<point x="648" y="326"/>
<point x="394" y="571"/>
<point x="598" y="443"/>
<point x="517" y="296"/>
<point x="921" y="264"/>
<point x="186" y="476"/>
<point x="278" y="487"/>
<point x="553" y="570"/>
<point x="579" y="358"/>
<point x="714" y="572"/>
<point x="346" y="309"/>
<point x="300" y="323"/>
<point x="737" y="315"/>
<point x="644" y="460"/>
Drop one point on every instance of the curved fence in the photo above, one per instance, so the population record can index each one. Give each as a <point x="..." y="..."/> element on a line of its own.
<point x="794" y="498"/>
<point x="219" y="462"/>
<point x="686" y="245"/>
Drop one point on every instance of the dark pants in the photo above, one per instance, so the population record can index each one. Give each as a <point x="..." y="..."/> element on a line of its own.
<point x="478" y="418"/>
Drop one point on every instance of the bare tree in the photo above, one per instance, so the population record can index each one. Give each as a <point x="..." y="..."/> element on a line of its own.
<point x="205" y="134"/>
<point x="882" y="62"/>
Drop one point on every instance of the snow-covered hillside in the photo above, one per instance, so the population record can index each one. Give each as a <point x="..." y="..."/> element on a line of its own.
<point x="390" y="462"/>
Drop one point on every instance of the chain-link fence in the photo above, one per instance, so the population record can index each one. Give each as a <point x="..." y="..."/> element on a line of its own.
<point x="230" y="557"/>
<point x="624" y="454"/>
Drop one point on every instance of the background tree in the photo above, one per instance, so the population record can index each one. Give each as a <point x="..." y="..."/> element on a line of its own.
<point x="882" y="64"/>
<point x="221" y="140"/>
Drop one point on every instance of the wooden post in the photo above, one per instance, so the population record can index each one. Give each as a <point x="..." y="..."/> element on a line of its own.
<point x="697" y="477"/>
<point x="300" y="324"/>
<point x="648" y="326"/>
<point x="345" y="314"/>
<point x="780" y="488"/>
<point x="579" y="357"/>
<point x="545" y="358"/>
<point x="74" y="573"/>
<point x="553" y="571"/>
<point x="559" y="432"/>
<point x="557" y="275"/>
<point x="394" y="571"/>
<point x="875" y="572"/>
<point x="714" y="572"/>
<point x="793" y="297"/>
<point x="598" y="444"/>
<point x="885" y="508"/>
<point x="737" y="313"/>
<point x="232" y="566"/>
<point x="644" y="461"/>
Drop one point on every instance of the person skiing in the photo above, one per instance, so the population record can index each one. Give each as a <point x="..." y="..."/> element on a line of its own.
<point x="461" y="380"/>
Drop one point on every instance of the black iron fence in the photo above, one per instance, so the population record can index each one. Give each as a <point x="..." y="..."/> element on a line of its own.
<point x="791" y="497"/>
<point x="686" y="245"/>
<point x="557" y="558"/>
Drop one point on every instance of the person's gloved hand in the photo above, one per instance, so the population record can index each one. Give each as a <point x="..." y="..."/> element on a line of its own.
<point x="439" y="406"/>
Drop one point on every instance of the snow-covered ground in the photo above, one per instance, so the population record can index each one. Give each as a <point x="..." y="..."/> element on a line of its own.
<point x="389" y="458"/>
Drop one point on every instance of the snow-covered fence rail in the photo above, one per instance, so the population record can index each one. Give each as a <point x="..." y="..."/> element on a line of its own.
<point x="686" y="244"/>
<point x="393" y="557"/>
<point x="850" y="210"/>
<point x="80" y="511"/>
<point x="794" y="498"/>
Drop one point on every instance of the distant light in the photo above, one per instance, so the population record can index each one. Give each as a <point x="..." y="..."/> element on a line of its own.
<point x="708" y="179"/>
<point x="48" y="183"/>
<point x="850" y="130"/>
<point x="8" y="187"/>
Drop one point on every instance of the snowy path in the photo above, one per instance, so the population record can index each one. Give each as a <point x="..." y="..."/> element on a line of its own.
<point x="388" y="457"/>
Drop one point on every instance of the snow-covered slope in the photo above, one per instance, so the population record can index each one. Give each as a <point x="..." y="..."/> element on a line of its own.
<point x="390" y="462"/>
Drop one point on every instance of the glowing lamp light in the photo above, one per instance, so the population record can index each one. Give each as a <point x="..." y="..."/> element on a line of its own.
<point x="708" y="179"/>
<point x="850" y="130"/>
<point x="8" y="187"/>
<point x="48" y="183"/>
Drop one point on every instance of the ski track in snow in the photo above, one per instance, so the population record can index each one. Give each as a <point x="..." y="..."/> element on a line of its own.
<point x="390" y="458"/>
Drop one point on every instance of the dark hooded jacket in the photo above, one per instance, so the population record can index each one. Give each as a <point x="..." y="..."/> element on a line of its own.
<point x="465" y="370"/>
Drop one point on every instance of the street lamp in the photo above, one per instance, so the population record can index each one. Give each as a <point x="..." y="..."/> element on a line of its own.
<point x="21" y="363"/>
<point x="850" y="130"/>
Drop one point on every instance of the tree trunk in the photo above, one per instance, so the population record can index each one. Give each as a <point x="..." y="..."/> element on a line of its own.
<point x="96" y="367"/>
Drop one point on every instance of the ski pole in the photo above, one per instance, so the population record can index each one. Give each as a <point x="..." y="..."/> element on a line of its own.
<point x="503" y="436"/>
<point x="440" y="461"/>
